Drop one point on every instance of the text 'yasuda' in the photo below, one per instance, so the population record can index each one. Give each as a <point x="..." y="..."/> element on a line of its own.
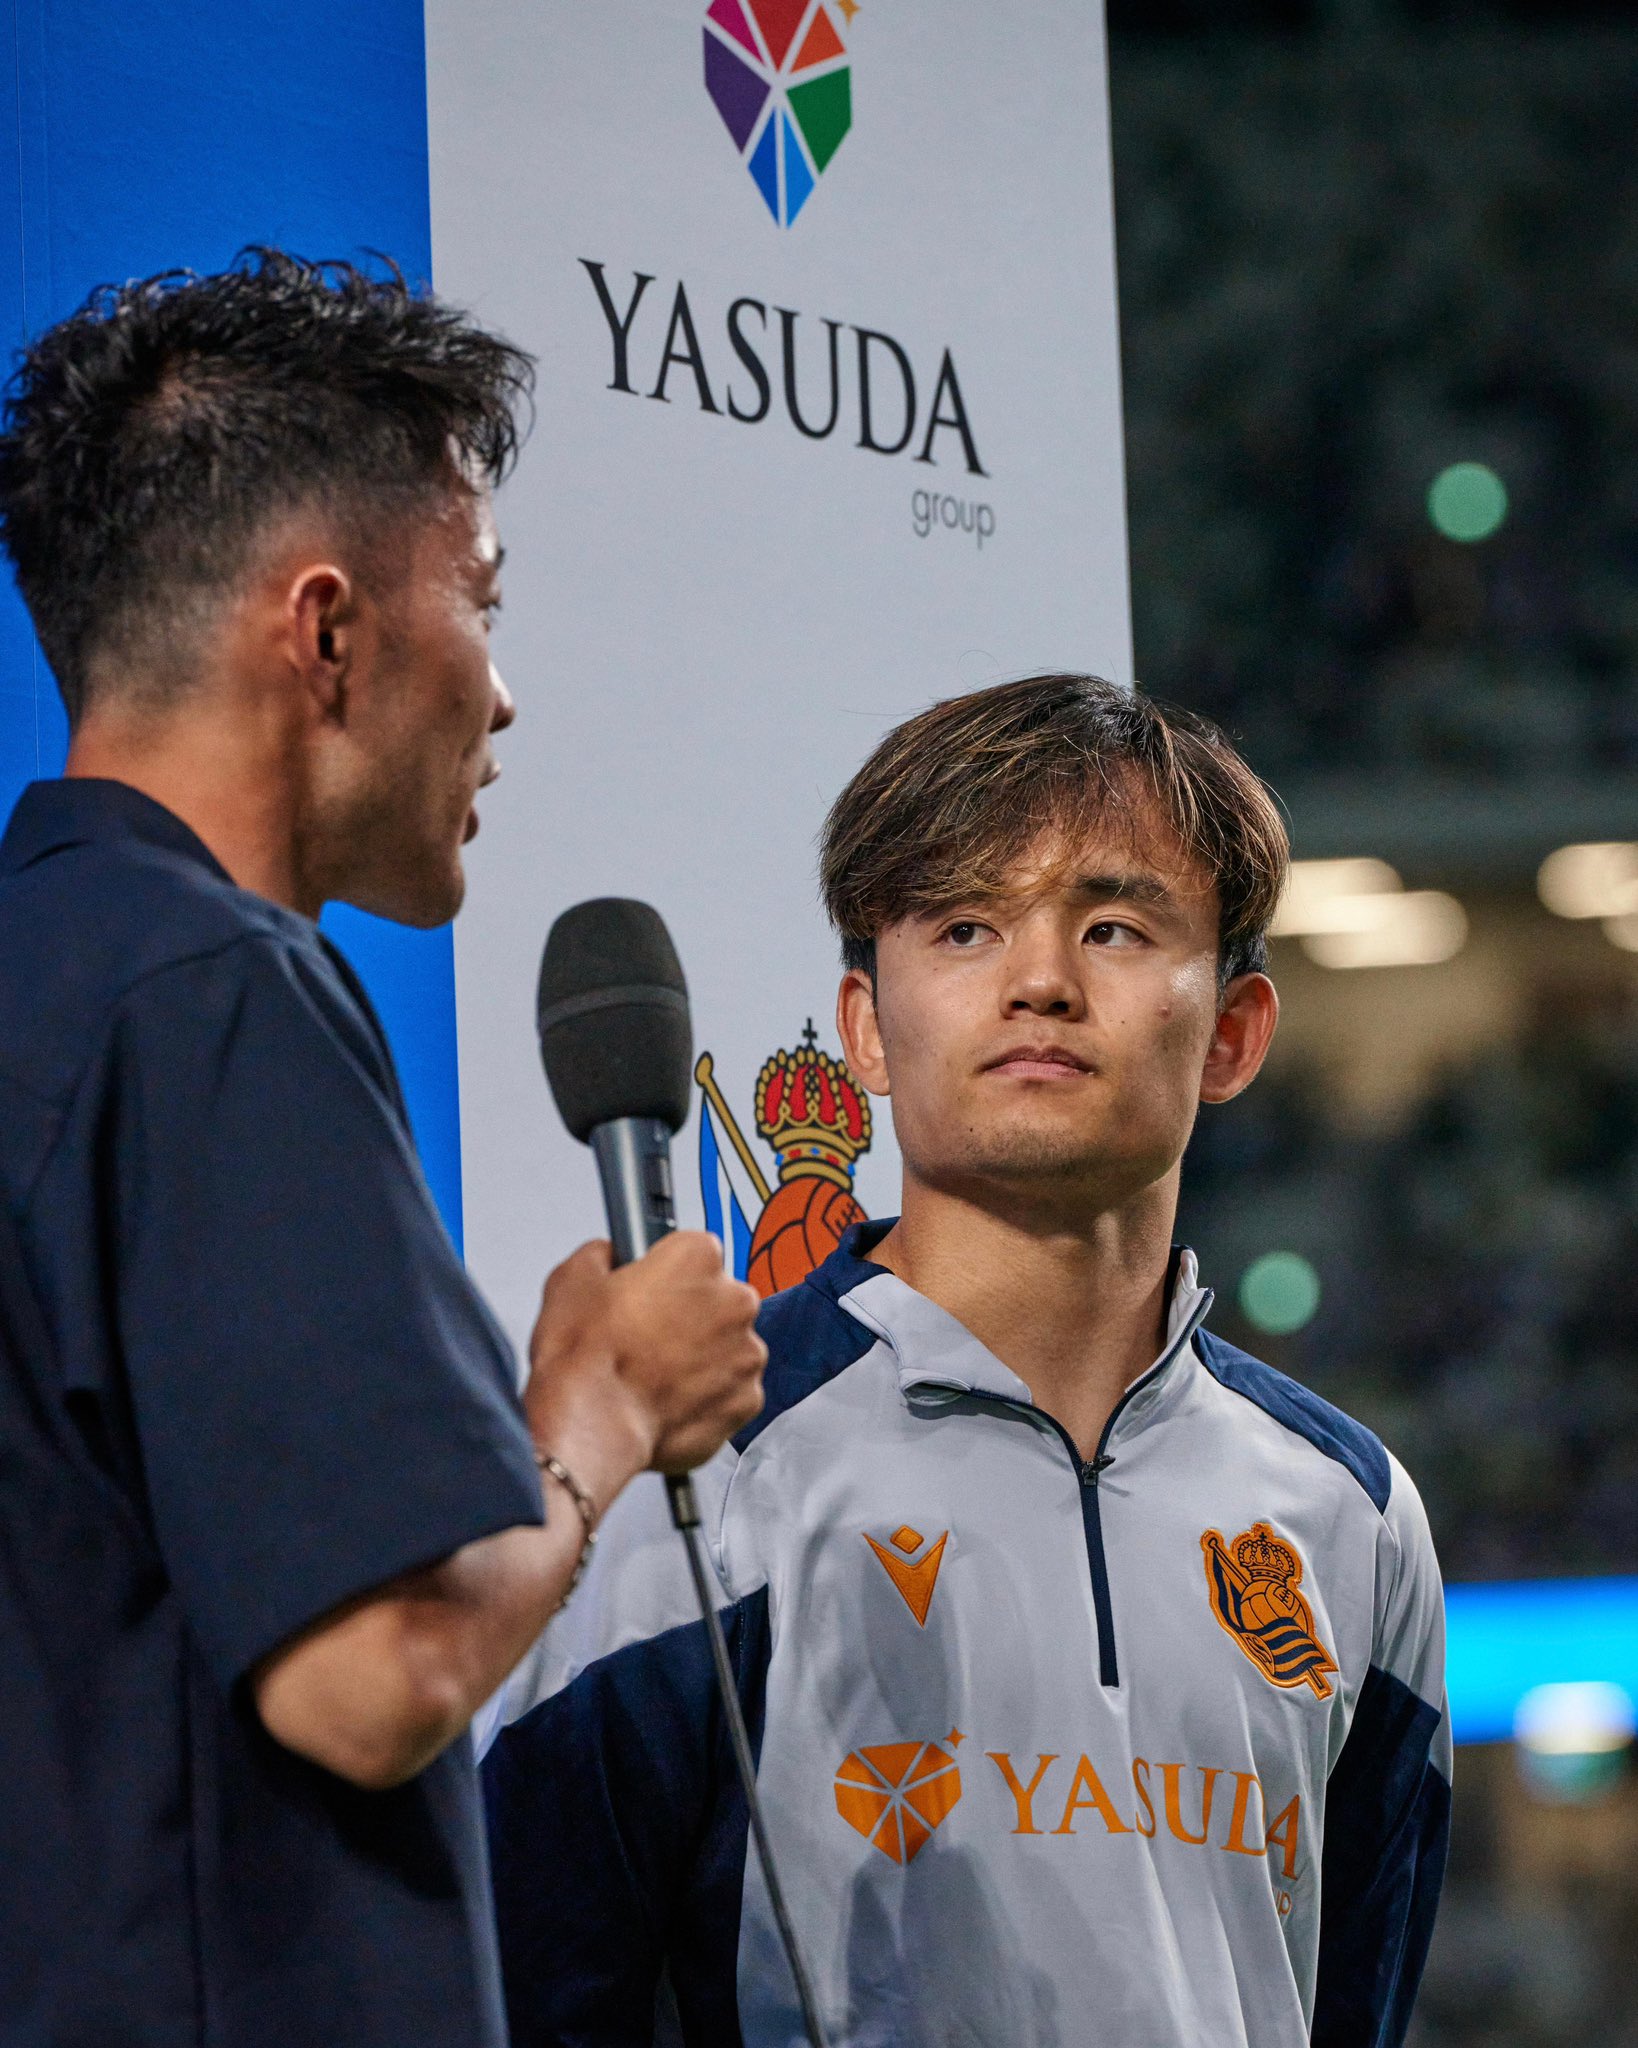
<point x="870" y="368"/>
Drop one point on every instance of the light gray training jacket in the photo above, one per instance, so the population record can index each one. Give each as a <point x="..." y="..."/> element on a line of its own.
<point x="1148" y="1750"/>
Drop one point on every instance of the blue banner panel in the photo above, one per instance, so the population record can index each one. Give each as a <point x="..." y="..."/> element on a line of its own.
<point x="141" y="137"/>
<point x="1506" y="1638"/>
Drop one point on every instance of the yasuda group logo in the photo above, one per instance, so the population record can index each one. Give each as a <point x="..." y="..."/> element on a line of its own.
<point x="778" y="74"/>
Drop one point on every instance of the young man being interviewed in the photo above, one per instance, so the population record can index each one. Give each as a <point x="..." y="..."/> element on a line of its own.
<point x="1096" y="1667"/>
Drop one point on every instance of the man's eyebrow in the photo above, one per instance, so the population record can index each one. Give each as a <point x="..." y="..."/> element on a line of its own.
<point x="1136" y="887"/>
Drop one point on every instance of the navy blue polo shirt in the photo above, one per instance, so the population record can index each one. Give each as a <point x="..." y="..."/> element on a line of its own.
<point x="243" y="1378"/>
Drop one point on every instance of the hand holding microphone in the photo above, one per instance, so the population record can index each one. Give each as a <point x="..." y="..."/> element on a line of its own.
<point x="651" y="1331"/>
<point x="668" y="1346"/>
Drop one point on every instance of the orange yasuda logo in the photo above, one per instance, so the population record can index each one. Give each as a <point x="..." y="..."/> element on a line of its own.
<point x="1253" y="1586"/>
<point x="1238" y="1823"/>
<point x="896" y="1793"/>
<point x="914" y="1576"/>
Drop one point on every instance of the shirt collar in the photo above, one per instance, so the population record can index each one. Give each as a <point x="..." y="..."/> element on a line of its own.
<point x="88" y="810"/>
<point x="934" y="1350"/>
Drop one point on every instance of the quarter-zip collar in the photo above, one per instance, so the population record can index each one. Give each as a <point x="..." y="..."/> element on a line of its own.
<point x="935" y="1352"/>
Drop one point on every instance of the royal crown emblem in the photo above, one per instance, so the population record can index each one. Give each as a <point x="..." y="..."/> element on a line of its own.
<point x="811" y="1111"/>
<point x="815" y="1119"/>
<point x="1253" y="1585"/>
<point x="1260" y="1555"/>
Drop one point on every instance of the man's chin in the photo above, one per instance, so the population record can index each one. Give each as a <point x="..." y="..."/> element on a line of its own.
<point x="439" y="905"/>
<point x="1019" y="1166"/>
<point x="421" y="903"/>
<point x="1050" y="1166"/>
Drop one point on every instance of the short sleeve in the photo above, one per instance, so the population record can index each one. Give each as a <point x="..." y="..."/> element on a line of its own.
<point x="321" y="1398"/>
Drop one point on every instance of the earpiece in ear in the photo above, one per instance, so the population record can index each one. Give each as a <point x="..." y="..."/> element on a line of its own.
<point x="327" y="644"/>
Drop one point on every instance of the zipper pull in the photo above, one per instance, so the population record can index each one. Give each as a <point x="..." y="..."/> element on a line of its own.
<point x="1090" y="1470"/>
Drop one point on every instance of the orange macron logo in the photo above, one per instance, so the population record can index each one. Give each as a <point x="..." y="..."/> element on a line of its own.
<point x="1253" y="1587"/>
<point x="896" y="1793"/>
<point x="914" y="1576"/>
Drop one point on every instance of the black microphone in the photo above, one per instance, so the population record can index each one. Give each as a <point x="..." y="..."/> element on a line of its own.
<point x="618" y="1048"/>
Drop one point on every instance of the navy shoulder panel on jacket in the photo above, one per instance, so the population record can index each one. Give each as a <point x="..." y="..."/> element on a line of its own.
<point x="1302" y="1411"/>
<point x="617" y="1835"/>
<point x="810" y="1339"/>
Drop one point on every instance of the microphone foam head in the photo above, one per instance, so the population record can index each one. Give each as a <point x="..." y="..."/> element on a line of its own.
<point x="615" y="1036"/>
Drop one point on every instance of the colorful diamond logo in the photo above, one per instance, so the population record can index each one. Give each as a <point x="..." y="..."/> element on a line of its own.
<point x="778" y="74"/>
<point x="896" y="1793"/>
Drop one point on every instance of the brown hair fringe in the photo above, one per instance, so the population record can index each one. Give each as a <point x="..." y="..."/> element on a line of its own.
<point x="951" y="800"/>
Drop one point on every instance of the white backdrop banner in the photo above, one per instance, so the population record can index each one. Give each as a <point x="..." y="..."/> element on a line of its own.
<point x="823" y="297"/>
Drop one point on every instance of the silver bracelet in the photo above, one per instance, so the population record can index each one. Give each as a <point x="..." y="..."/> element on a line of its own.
<point x="586" y="1508"/>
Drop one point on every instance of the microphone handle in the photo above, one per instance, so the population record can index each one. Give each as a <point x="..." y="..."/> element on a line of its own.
<point x="634" y="1164"/>
<point x="633" y="1156"/>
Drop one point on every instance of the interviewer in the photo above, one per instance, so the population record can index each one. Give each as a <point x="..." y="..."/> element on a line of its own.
<point x="270" y="1515"/>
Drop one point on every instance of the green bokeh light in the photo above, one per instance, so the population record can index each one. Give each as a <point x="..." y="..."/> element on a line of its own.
<point x="1279" y="1293"/>
<point x="1467" y="502"/>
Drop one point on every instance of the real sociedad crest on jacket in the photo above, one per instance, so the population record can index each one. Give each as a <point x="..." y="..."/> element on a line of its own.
<point x="813" y="1115"/>
<point x="1253" y="1584"/>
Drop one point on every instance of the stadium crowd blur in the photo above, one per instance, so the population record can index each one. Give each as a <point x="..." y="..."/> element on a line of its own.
<point x="1361" y="241"/>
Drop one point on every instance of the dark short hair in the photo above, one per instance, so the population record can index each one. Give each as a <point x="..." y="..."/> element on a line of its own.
<point x="148" y="439"/>
<point x="950" y="801"/>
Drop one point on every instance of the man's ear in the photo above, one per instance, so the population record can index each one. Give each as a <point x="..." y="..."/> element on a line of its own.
<point x="321" y="627"/>
<point x="860" y="1032"/>
<point x="1246" y="1018"/>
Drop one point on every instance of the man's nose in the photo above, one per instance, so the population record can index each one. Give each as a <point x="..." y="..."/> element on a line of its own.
<point x="505" y="710"/>
<point x="1042" y="978"/>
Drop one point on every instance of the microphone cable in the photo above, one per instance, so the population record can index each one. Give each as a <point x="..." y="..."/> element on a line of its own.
<point x="685" y="1514"/>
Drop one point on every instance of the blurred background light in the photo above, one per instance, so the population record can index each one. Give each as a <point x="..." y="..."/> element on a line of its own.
<point x="1623" y="931"/>
<point x="1279" y="1293"/>
<point x="1315" y="885"/>
<point x="1467" y="501"/>
<point x="1596" y="880"/>
<point x="1508" y="1638"/>
<point x="1574" y="1737"/>
<point x="1418" y="929"/>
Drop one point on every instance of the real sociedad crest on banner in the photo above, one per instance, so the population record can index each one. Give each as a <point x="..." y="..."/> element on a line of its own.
<point x="813" y="1115"/>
